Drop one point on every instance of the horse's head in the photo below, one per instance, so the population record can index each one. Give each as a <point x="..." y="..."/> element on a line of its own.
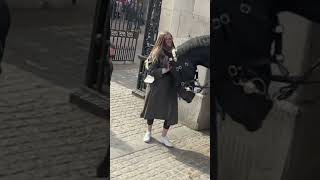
<point x="187" y="57"/>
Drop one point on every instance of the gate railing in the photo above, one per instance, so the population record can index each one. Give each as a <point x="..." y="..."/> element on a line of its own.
<point x="125" y="23"/>
<point x="150" y="36"/>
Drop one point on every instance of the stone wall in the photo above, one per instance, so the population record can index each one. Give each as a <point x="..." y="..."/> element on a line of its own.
<point x="303" y="159"/>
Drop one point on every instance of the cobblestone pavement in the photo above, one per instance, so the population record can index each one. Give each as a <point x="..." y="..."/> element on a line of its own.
<point x="131" y="158"/>
<point x="42" y="135"/>
<point x="126" y="75"/>
<point x="52" y="43"/>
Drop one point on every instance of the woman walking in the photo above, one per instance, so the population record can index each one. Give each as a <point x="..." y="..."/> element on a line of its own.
<point x="161" y="100"/>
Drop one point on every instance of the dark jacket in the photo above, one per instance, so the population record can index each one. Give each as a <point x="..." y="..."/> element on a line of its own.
<point x="161" y="101"/>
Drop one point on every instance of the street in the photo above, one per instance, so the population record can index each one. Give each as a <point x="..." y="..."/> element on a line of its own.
<point x="52" y="43"/>
<point x="43" y="136"/>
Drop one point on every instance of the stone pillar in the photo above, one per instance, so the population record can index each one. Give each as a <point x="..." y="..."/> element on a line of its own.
<point x="303" y="159"/>
<point x="186" y="19"/>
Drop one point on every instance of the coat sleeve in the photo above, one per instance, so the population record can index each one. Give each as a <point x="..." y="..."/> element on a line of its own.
<point x="155" y="70"/>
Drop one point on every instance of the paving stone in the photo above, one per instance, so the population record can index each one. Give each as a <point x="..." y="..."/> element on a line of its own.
<point x="131" y="158"/>
<point x="42" y="134"/>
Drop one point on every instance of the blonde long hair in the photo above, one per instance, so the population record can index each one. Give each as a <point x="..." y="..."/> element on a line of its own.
<point x="155" y="52"/>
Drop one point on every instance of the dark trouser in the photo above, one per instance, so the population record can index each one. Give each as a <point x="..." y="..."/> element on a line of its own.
<point x="165" y="124"/>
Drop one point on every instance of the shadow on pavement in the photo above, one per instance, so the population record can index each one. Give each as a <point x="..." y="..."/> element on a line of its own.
<point x="118" y="143"/>
<point x="193" y="159"/>
<point x="190" y="158"/>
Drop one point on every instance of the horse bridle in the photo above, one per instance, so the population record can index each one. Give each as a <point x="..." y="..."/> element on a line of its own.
<point x="191" y="85"/>
<point x="249" y="85"/>
<point x="294" y="82"/>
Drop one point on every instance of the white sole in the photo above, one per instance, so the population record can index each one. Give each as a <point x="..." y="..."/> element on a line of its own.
<point x="165" y="144"/>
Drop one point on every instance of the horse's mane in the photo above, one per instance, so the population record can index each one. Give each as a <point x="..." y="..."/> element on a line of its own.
<point x="200" y="41"/>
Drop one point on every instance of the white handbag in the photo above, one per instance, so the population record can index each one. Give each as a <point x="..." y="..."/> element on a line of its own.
<point x="149" y="79"/>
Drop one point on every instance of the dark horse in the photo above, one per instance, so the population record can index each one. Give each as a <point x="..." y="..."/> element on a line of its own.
<point x="188" y="56"/>
<point x="247" y="40"/>
<point x="4" y="26"/>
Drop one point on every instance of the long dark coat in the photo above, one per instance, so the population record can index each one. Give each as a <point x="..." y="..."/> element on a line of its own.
<point x="161" y="101"/>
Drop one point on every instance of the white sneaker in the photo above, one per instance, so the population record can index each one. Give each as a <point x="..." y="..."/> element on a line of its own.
<point x="147" y="137"/>
<point x="165" y="141"/>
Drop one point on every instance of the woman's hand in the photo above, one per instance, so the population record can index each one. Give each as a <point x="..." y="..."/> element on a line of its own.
<point x="167" y="69"/>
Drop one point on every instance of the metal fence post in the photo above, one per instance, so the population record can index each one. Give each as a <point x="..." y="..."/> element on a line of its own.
<point x="151" y="33"/>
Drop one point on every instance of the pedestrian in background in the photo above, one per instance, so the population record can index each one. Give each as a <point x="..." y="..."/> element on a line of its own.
<point x="161" y="100"/>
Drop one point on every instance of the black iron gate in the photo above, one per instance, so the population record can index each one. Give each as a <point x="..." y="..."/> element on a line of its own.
<point x="126" y="21"/>
<point x="150" y="36"/>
